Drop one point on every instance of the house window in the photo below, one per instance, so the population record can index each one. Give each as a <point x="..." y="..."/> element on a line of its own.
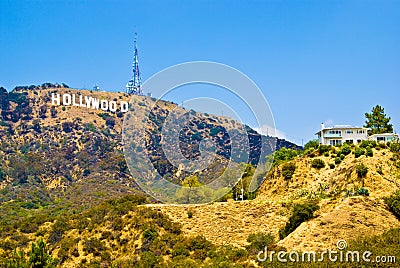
<point x="349" y="131"/>
<point x="335" y="142"/>
<point x="339" y="132"/>
<point x="360" y="131"/>
<point x="380" y="139"/>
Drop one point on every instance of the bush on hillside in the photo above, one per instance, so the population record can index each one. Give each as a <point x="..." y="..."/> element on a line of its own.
<point x="363" y="191"/>
<point x="285" y="154"/>
<point x="394" y="147"/>
<point x="312" y="144"/>
<point x="288" y="170"/>
<point x="260" y="240"/>
<point x="365" y="144"/>
<point x="358" y="152"/>
<point x="324" y="149"/>
<point x="369" y="152"/>
<point x="301" y="213"/>
<point x="346" y="149"/>
<point x="393" y="203"/>
<point x="318" y="163"/>
<point x="361" y="170"/>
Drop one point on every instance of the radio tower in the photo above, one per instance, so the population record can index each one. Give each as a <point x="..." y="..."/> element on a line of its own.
<point x="134" y="86"/>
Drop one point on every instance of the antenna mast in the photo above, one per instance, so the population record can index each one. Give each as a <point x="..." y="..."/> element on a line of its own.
<point x="134" y="86"/>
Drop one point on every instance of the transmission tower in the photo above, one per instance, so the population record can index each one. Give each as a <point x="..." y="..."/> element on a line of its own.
<point x="134" y="86"/>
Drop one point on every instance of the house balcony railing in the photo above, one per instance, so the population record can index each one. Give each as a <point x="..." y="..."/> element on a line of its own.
<point x="329" y="135"/>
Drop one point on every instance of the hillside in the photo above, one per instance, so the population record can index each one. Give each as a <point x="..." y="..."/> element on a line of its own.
<point x="73" y="156"/>
<point x="63" y="178"/>
<point x="343" y="214"/>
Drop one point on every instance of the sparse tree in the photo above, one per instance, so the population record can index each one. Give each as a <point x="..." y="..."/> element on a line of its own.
<point x="378" y="121"/>
<point x="362" y="171"/>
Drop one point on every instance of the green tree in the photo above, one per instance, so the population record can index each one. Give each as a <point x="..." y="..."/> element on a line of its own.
<point x="188" y="192"/>
<point x="288" y="170"/>
<point x="377" y="121"/>
<point x="39" y="257"/>
<point x="362" y="171"/>
<point x="312" y="144"/>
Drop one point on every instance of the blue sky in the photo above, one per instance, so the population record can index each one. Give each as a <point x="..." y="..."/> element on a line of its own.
<point x="315" y="61"/>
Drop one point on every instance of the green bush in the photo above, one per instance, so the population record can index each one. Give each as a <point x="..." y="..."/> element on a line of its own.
<point x="288" y="170"/>
<point x="346" y="149"/>
<point x="285" y="154"/>
<point x="190" y="214"/>
<point x="363" y="191"/>
<point x="369" y="152"/>
<point x="311" y="145"/>
<point x="338" y="160"/>
<point x="301" y="213"/>
<point x="324" y="149"/>
<point x="318" y="163"/>
<point x="394" y="147"/>
<point x="260" y="240"/>
<point x="365" y="144"/>
<point x="358" y="152"/>
<point x="393" y="202"/>
<point x="361" y="170"/>
<point x="331" y="165"/>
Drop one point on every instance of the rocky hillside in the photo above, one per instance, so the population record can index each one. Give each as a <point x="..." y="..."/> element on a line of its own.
<point x="74" y="154"/>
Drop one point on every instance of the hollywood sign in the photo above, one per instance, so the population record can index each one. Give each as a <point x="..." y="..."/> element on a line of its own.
<point x="88" y="102"/>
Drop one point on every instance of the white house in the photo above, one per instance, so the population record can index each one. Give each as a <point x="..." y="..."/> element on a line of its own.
<point x="384" y="137"/>
<point x="338" y="135"/>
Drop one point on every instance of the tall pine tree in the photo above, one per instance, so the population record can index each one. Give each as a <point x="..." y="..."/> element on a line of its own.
<point x="377" y="121"/>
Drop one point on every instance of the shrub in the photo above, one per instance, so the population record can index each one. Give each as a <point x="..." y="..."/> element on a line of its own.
<point x="362" y="170"/>
<point x="382" y="145"/>
<point x="346" y="149"/>
<point x="180" y="250"/>
<point x="285" y="154"/>
<point x="312" y="144"/>
<point x="324" y="149"/>
<point x="393" y="202"/>
<point x="318" y="163"/>
<point x="369" y="152"/>
<point x="365" y="144"/>
<point x="93" y="245"/>
<point x="394" y="147"/>
<point x="359" y="152"/>
<point x="331" y="165"/>
<point x="342" y="156"/>
<point x="338" y="160"/>
<point x="363" y="191"/>
<point x="260" y="240"/>
<point x="301" y="213"/>
<point x="190" y="214"/>
<point x="288" y="170"/>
